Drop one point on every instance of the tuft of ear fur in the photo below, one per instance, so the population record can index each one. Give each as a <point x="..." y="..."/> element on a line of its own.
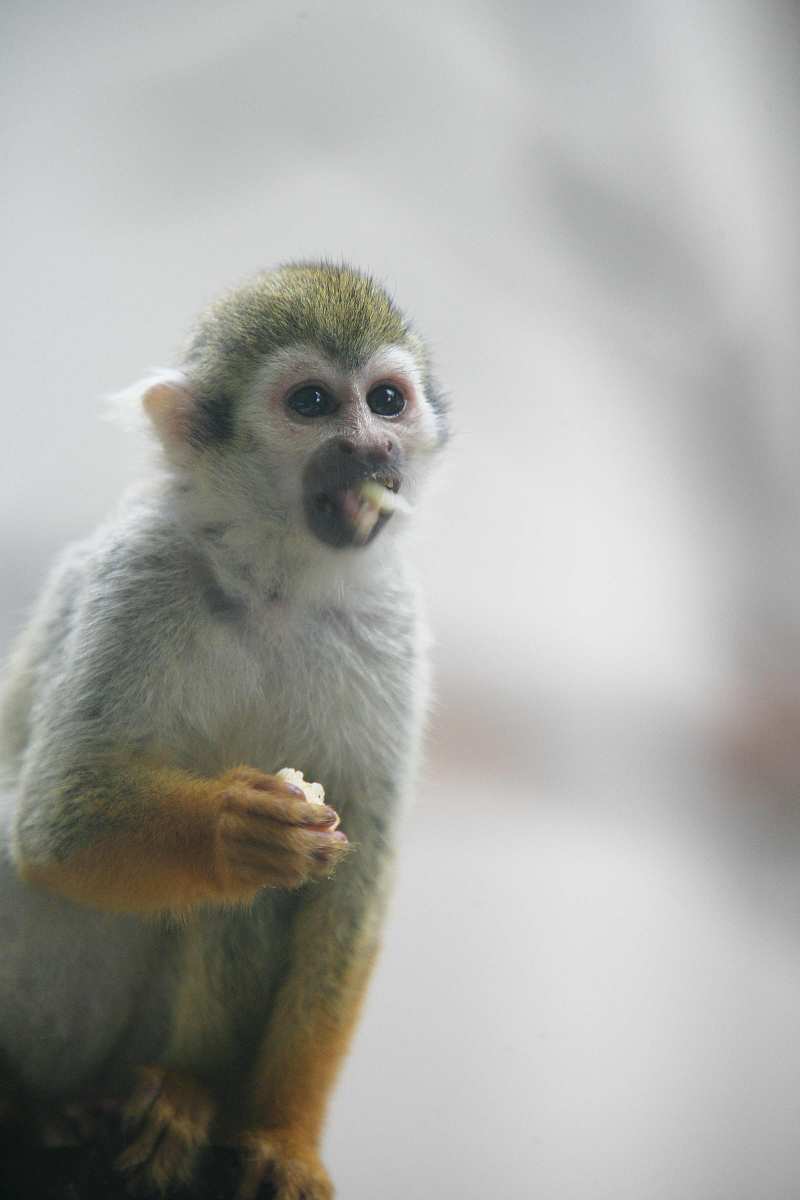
<point x="161" y="402"/>
<point x="126" y="407"/>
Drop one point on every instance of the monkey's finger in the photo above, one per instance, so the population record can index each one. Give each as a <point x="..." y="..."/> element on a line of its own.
<point x="259" y="1160"/>
<point x="258" y="781"/>
<point x="332" y="849"/>
<point x="175" y="1158"/>
<point x="272" y="839"/>
<point x="254" y="778"/>
<point x="264" y="828"/>
<point x="289" y="1176"/>
<point x="315" y="854"/>
<point x="326" y="861"/>
<point x="260" y="871"/>
<point x="297" y="812"/>
<point x="145" y="1094"/>
<point x="289" y="811"/>
<point x="284" y="866"/>
<point x="254" y="1173"/>
<point x="273" y="836"/>
<point x="142" y="1148"/>
<point x="266" y="859"/>
<point x="258" y="854"/>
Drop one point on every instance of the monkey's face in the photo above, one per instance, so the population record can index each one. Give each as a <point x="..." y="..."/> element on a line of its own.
<point x="306" y="406"/>
<point x="312" y="432"/>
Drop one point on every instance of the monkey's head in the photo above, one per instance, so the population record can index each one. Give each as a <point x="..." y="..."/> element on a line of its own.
<point x="298" y="388"/>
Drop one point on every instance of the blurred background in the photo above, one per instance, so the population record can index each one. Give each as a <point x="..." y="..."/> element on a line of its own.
<point x="591" y="983"/>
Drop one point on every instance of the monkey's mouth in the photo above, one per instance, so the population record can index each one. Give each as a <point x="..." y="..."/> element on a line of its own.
<point x="350" y="491"/>
<point x="353" y="516"/>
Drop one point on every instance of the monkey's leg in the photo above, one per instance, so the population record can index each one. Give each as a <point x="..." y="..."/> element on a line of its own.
<point x="163" y="839"/>
<point x="167" y="1120"/>
<point x="309" y="1032"/>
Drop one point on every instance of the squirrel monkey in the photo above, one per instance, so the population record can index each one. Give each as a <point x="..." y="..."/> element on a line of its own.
<point x="184" y="934"/>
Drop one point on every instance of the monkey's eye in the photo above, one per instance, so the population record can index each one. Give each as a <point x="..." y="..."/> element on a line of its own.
<point x="312" y="401"/>
<point x="386" y="401"/>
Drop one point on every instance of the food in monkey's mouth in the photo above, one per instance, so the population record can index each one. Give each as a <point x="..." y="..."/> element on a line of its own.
<point x="366" y="504"/>
<point x="350" y="492"/>
<point x="363" y="506"/>
<point x="314" y="792"/>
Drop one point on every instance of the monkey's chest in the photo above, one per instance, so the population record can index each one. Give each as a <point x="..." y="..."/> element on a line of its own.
<point x="328" y="694"/>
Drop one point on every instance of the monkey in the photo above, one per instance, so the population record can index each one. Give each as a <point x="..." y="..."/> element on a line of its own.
<point x="186" y="939"/>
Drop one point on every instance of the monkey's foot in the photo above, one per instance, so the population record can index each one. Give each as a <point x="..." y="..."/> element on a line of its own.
<point x="285" y="1160"/>
<point x="166" y="1119"/>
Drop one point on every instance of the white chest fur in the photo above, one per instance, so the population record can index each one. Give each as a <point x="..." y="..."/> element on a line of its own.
<point x="334" y="691"/>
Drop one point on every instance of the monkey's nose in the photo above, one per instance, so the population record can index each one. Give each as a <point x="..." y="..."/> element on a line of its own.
<point x="378" y="451"/>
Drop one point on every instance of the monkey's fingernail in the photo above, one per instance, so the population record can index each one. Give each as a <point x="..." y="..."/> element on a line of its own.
<point x="322" y="817"/>
<point x="295" y="791"/>
<point x="338" y="836"/>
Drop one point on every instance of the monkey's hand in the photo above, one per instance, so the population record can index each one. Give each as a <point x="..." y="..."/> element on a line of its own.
<point x="163" y="839"/>
<point x="269" y="835"/>
<point x="287" y="1161"/>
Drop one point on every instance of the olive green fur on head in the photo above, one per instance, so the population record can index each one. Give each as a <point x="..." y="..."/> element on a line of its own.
<point x="342" y="311"/>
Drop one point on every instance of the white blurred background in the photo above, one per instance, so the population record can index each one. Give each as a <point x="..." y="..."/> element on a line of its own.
<point x="591" y="985"/>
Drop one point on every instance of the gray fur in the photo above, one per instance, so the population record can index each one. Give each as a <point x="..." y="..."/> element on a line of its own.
<point x="203" y="625"/>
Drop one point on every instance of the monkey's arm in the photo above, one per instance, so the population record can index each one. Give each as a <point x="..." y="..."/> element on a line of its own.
<point x="130" y="836"/>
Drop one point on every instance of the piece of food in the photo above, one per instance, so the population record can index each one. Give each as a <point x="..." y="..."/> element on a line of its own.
<point x="373" y="499"/>
<point x="383" y="498"/>
<point x="314" y="792"/>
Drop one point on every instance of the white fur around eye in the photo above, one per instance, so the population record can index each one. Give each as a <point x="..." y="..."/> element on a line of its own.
<point x="286" y="370"/>
<point x="395" y="364"/>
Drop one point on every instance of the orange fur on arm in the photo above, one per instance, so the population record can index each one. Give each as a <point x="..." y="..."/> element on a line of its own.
<point x="153" y="846"/>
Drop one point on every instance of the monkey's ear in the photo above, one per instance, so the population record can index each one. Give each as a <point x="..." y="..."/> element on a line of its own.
<point x="165" y="398"/>
<point x="169" y="405"/>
